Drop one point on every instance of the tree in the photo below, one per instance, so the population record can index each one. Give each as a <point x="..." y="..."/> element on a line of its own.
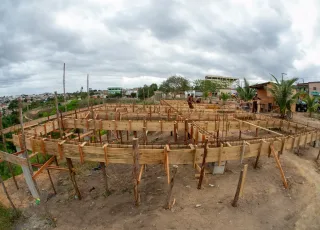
<point x="175" y="85"/>
<point x="312" y="104"/>
<point x="246" y="93"/>
<point x="224" y="97"/>
<point x="283" y="93"/>
<point x="13" y="105"/>
<point x="147" y="91"/>
<point x="205" y="86"/>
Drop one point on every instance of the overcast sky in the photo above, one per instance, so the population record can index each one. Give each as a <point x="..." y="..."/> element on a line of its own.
<point x="131" y="43"/>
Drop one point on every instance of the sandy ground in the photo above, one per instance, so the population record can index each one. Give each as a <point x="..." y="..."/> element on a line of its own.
<point x="265" y="205"/>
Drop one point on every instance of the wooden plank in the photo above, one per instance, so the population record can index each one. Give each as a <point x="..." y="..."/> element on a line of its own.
<point x="13" y="159"/>
<point x="279" y="166"/>
<point x="44" y="166"/>
<point x="245" y="169"/>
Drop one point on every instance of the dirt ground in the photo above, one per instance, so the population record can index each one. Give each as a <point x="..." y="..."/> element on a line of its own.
<point x="265" y="204"/>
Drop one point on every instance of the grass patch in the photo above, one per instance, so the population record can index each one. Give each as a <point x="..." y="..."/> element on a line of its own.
<point x="7" y="217"/>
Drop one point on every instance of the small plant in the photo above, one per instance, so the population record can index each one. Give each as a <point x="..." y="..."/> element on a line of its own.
<point x="312" y="104"/>
<point x="225" y="97"/>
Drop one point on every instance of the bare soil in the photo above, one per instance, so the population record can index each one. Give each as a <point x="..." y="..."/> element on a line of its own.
<point x="265" y="205"/>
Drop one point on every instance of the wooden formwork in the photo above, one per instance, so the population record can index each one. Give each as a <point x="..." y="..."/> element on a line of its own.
<point x="199" y="126"/>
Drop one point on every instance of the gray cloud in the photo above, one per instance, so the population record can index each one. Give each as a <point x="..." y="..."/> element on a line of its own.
<point x="118" y="44"/>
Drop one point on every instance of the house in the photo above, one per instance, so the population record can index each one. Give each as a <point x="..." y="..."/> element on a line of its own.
<point x="312" y="88"/>
<point x="266" y="102"/>
<point x="266" y="99"/>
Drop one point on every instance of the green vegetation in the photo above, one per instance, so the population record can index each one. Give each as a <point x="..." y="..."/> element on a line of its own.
<point x="147" y="91"/>
<point x="312" y="104"/>
<point x="225" y="97"/>
<point x="205" y="86"/>
<point x="175" y="85"/>
<point x="245" y="93"/>
<point x="7" y="217"/>
<point x="283" y="93"/>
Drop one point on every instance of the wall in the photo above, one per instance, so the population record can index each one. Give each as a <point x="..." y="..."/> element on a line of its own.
<point x="314" y="84"/>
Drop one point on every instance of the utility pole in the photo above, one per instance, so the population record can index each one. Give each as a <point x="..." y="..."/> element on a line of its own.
<point x="282" y="75"/>
<point x="88" y="91"/>
<point x="64" y="87"/>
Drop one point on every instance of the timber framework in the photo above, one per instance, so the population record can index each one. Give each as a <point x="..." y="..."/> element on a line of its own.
<point x="168" y="134"/>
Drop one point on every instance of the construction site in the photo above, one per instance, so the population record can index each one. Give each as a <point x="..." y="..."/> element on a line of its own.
<point x="165" y="166"/>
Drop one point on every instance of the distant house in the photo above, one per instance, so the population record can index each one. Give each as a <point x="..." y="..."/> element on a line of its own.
<point x="312" y="88"/>
<point x="114" y="90"/>
<point x="227" y="83"/>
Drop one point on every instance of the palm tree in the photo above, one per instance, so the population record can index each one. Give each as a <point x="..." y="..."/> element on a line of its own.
<point x="246" y="93"/>
<point x="312" y="104"/>
<point x="283" y="93"/>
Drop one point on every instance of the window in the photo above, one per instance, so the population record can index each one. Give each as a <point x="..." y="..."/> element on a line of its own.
<point x="314" y="88"/>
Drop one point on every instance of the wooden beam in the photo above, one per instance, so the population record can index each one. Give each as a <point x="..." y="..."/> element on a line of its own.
<point x="279" y="166"/>
<point x="13" y="159"/>
<point x="205" y="152"/>
<point x="257" y="126"/>
<point x="135" y="173"/>
<point x="44" y="166"/>
<point x="170" y="203"/>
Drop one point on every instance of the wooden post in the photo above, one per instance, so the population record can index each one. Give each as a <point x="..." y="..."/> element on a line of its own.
<point x="279" y="166"/>
<point x="27" y="170"/>
<point x="244" y="175"/>
<point x="105" y="177"/>
<point x="7" y="194"/>
<point x="242" y="151"/>
<point x="258" y="155"/>
<point x="73" y="178"/>
<point x="64" y="87"/>
<point x="170" y="204"/>
<point x="88" y="91"/>
<point x="57" y="112"/>
<point x="205" y="152"/>
<point x="236" y="196"/>
<point x="6" y="150"/>
<point x="135" y="172"/>
<point x="175" y="127"/>
<point x="145" y="137"/>
<point x="186" y="131"/>
<point x="54" y="190"/>
<point x="127" y="135"/>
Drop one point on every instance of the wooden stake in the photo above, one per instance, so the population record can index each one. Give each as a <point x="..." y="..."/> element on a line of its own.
<point x="135" y="172"/>
<point x="245" y="169"/>
<point x="54" y="190"/>
<point x="258" y="155"/>
<point x="279" y="166"/>
<point x="205" y="152"/>
<point x="73" y="178"/>
<point x="236" y="196"/>
<point x="6" y="150"/>
<point x="169" y="204"/>
<point x="7" y="194"/>
<point x="105" y="177"/>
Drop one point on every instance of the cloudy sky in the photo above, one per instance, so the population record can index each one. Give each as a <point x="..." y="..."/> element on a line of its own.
<point x="130" y="43"/>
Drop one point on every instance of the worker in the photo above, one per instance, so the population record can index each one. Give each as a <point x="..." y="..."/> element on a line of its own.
<point x="255" y="103"/>
<point x="190" y="101"/>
